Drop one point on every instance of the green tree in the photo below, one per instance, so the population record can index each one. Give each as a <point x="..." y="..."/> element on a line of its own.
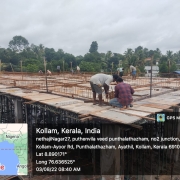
<point x="170" y="59"/>
<point x="18" y="43"/>
<point x="90" y="66"/>
<point x="68" y="58"/>
<point x="59" y="54"/>
<point x="145" y="51"/>
<point x="49" y="54"/>
<point x="39" y="51"/>
<point x="92" y="57"/>
<point x="128" y="57"/>
<point x="139" y="48"/>
<point x="79" y="59"/>
<point x="93" y="47"/>
<point x="173" y="67"/>
<point x="163" y="68"/>
<point x="157" y="55"/>
<point x="32" y="68"/>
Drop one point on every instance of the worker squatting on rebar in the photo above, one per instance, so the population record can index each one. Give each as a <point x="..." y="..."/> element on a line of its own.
<point x="123" y="95"/>
<point x="97" y="82"/>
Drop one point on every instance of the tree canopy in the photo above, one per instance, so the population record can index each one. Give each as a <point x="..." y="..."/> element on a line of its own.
<point x="18" y="43"/>
<point x="93" y="47"/>
<point x="93" y="61"/>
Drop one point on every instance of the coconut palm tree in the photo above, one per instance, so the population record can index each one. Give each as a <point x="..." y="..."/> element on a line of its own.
<point x="128" y="56"/>
<point x="169" y="55"/>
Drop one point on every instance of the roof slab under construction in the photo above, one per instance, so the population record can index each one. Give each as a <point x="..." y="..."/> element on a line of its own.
<point x="72" y="92"/>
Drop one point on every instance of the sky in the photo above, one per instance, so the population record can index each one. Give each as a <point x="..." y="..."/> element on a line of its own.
<point x="72" y="25"/>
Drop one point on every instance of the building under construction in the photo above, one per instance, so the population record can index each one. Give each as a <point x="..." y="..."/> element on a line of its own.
<point x="33" y="98"/>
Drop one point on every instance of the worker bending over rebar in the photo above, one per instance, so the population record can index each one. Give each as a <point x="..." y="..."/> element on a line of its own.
<point x="49" y="73"/>
<point x="97" y="82"/>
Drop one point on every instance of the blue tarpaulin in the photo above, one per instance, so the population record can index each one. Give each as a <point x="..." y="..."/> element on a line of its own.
<point x="177" y="72"/>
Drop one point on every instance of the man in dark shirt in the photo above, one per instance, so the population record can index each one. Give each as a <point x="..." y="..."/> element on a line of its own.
<point x="123" y="94"/>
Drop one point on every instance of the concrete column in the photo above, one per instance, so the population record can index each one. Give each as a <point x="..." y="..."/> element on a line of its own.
<point x="18" y="111"/>
<point x="110" y="158"/>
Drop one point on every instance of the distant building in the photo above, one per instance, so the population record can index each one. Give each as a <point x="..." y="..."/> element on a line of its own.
<point x="176" y="74"/>
<point x="155" y="71"/>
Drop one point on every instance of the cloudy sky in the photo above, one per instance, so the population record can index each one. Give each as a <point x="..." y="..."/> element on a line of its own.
<point x="72" y="25"/>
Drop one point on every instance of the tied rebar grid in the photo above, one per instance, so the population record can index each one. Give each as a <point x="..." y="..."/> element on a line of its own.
<point x="74" y="85"/>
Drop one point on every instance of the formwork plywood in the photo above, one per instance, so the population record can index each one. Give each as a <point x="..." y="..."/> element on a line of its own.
<point x="130" y="111"/>
<point x="18" y="92"/>
<point x="153" y="105"/>
<point x="175" y="93"/>
<point x="169" y="97"/>
<point x="9" y="90"/>
<point x="147" y="92"/>
<point x="140" y="102"/>
<point x="146" y="109"/>
<point x="40" y="97"/>
<point x="21" y="94"/>
<point x="3" y="86"/>
<point x="162" y="101"/>
<point x="84" y="85"/>
<point x="54" y="101"/>
<point x="60" y="102"/>
<point x="141" y="93"/>
<point x="84" y="108"/>
<point x="116" y="116"/>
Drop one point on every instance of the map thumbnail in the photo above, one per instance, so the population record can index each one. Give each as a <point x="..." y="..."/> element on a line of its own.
<point x="13" y="149"/>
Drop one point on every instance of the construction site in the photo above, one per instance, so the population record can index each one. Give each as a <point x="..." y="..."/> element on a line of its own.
<point x="31" y="98"/>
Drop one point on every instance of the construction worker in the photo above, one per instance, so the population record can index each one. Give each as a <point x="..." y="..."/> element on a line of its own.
<point x="97" y="82"/>
<point x="40" y="72"/>
<point x="49" y="73"/>
<point x="133" y="72"/>
<point x="58" y="69"/>
<point x="120" y="71"/>
<point x="123" y="95"/>
<point x="78" y="69"/>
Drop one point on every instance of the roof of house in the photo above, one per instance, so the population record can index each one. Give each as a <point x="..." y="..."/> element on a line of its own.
<point x="177" y="72"/>
<point x="154" y="68"/>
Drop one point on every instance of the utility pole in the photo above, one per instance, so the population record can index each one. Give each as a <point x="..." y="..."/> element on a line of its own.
<point x="112" y="68"/>
<point x="120" y="63"/>
<point x="151" y="78"/>
<point x="21" y="71"/>
<point x="0" y="66"/>
<point x="63" y="67"/>
<point x="169" y="67"/>
<point x="12" y="67"/>
<point x="45" y="74"/>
